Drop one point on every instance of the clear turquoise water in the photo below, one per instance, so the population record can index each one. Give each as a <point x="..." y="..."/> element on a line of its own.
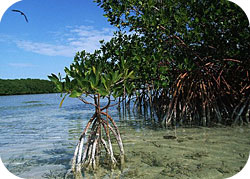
<point x="37" y="137"/>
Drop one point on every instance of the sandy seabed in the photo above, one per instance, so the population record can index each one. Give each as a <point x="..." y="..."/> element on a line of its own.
<point x="198" y="152"/>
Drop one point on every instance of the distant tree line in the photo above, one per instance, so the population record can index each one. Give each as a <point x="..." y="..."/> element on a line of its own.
<point x="26" y="86"/>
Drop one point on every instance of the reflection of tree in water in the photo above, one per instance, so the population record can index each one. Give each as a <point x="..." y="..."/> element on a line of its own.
<point x="138" y="119"/>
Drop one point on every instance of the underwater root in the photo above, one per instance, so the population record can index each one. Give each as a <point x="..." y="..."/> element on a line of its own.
<point x="88" y="149"/>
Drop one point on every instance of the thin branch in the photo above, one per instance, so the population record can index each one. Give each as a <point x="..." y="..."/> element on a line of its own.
<point x="233" y="60"/>
<point x="105" y="107"/>
<point x="86" y="102"/>
<point x="112" y="104"/>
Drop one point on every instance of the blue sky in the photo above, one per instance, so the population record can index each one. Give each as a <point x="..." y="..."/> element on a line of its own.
<point x="57" y="29"/>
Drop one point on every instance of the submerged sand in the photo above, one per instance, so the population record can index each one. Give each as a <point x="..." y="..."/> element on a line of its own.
<point x="194" y="153"/>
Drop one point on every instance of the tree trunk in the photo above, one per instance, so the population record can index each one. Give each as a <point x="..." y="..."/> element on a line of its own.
<point x="87" y="153"/>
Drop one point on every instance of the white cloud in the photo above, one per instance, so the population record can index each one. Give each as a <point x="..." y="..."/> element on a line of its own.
<point x="73" y="40"/>
<point x="45" y="48"/>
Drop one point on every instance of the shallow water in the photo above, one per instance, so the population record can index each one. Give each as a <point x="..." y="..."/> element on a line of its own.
<point x="195" y="153"/>
<point x="38" y="139"/>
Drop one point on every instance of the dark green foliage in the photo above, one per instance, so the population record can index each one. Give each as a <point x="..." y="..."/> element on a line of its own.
<point x="191" y="58"/>
<point x="26" y="86"/>
<point x="97" y="73"/>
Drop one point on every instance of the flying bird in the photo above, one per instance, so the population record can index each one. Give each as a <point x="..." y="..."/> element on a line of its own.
<point x="14" y="10"/>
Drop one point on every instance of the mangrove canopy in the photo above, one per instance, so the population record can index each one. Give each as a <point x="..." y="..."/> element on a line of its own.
<point x="191" y="57"/>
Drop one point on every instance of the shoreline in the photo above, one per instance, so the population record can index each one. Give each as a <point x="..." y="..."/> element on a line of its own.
<point x="27" y="94"/>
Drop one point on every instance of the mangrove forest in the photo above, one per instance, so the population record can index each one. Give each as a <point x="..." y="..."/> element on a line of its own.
<point x="26" y="86"/>
<point x="181" y="63"/>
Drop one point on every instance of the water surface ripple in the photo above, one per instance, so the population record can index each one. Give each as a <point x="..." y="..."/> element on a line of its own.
<point x="38" y="139"/>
